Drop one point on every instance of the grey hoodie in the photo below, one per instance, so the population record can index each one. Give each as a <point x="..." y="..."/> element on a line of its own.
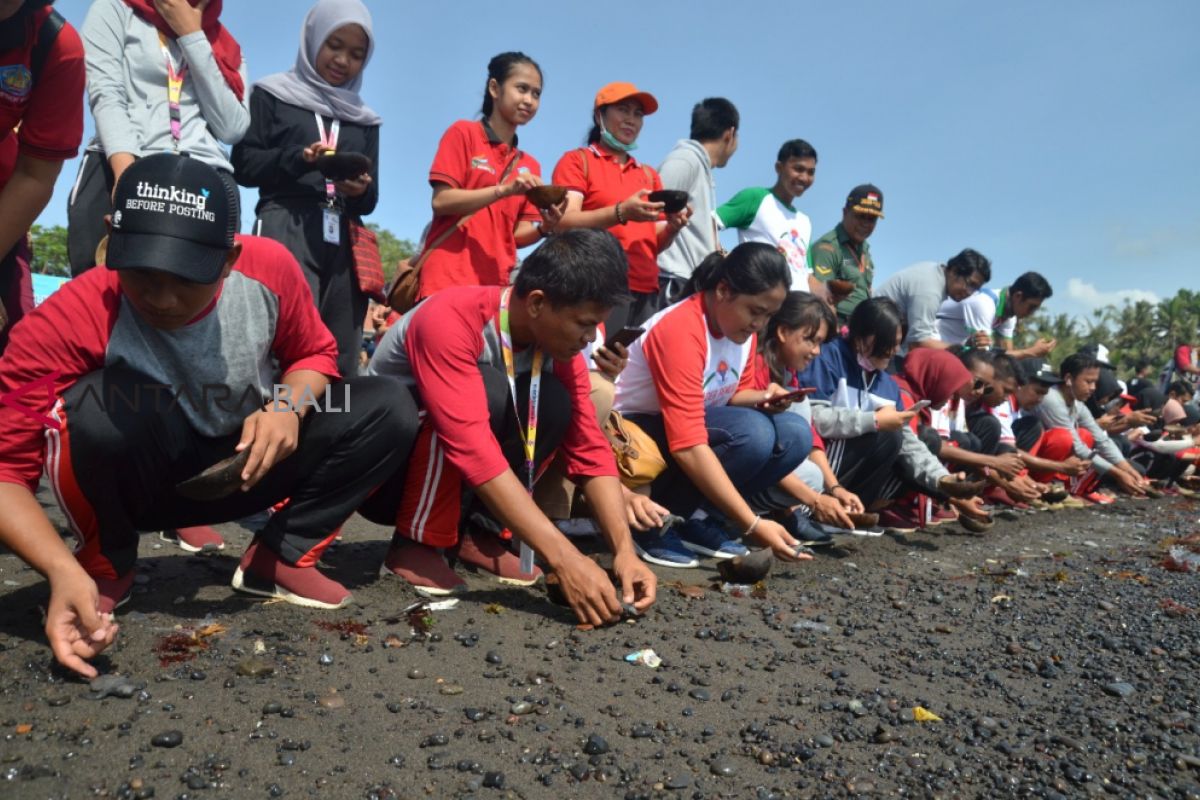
<point x="127" y="89"/>
<point x="688" y="167"/>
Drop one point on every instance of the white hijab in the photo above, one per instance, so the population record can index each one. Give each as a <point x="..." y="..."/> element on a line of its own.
<point x="302" y="86"/>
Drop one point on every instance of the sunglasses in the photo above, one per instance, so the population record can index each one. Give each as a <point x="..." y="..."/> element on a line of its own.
<point x="980" y="385"/>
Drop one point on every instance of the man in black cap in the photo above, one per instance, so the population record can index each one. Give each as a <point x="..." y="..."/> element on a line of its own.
<point x="192" y="346"/>
<point x="843" y="254"/>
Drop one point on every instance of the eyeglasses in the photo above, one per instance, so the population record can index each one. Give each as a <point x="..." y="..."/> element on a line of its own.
<point x="980" y="386"/>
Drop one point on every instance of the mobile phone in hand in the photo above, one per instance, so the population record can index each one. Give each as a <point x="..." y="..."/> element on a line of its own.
<point x="917" y="406"/>
<point x="790" y="397"/>
<point x="623" y="337"/>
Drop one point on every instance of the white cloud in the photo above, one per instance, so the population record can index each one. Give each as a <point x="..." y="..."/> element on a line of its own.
<point x="1087" y="295"/>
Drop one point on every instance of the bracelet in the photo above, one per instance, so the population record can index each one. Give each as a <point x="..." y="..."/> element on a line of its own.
<point x="620" y="219"/>
<point x="753" y="525"/>
<point x="831" y="489"/>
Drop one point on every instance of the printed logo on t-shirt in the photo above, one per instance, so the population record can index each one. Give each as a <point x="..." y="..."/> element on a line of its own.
<point x="794" y="249"/>
<point x="720" y="384"/>
<point x="481" y="162"/>
<point x="16" y="81"/>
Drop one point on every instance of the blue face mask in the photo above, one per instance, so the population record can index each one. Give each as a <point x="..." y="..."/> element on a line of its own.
<point x="613" y="142"/>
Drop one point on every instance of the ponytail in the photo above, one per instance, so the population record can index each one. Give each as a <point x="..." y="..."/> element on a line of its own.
<point x="750" y="268"/>
<point x="499" y="68"/>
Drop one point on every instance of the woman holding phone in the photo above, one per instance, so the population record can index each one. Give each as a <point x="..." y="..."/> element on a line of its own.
<point x="689" y="385"/>
<point x="297" y="117"/>
<point x="607" y="188"/>
<point x="857" y="408"/>
<point x="794" y="337"/>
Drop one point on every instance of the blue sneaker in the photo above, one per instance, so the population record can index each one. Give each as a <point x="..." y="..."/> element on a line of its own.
<point x="806" y="531"/>
<point x="708" y="537"/>
<point x="663" y="547"/>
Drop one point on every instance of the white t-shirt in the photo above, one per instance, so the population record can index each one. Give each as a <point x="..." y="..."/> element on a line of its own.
<point x="760" y="216"/>
<point x="957" y="321"/>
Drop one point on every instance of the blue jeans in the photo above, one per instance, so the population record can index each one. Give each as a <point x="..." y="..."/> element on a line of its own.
<point x="756" y="449"/>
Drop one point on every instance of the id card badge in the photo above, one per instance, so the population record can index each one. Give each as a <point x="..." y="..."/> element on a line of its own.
<point x="332" y="225"/>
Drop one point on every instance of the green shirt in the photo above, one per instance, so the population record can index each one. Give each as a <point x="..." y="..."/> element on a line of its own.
<point x="833" y="257"/>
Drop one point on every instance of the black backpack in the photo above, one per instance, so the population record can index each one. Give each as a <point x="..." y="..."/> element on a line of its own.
<point x="46" y="37"/>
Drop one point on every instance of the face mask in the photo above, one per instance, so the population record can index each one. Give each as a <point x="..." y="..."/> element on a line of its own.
<point x="865" y="363"/>
<point x="613" y="142"/>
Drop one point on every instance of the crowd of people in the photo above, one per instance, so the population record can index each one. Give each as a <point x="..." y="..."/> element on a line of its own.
<point x="627" y="379"/>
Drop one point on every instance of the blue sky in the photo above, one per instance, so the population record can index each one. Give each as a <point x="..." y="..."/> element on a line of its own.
<point x="1061" y="137"/>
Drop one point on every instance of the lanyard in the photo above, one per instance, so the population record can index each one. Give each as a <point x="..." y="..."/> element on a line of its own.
<point x="529" y="435"/>
<point x="329" y="142"/>
<point x="1001" y="307"/>
<point x="174" y="91"/>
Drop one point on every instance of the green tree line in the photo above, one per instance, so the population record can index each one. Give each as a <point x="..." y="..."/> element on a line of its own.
<point x="50" y="250"/>
<point x="1133" y="332"/>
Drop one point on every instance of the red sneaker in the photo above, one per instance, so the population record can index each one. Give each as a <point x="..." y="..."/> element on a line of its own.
<point x="489" y="554"/>
<point x="262" y="572"/>
<point x="114" y="592"/>
<point x="1099" y="498"/>
<point x="199" y="538"/>
<point x="423" y="567"/>
<point x="899" y="520"/>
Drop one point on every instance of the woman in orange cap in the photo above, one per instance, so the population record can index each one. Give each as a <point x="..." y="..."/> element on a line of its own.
<point x="607" y="188"/>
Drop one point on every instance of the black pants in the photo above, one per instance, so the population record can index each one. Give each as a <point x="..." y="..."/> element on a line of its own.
<point x="329" y="269"/>
<point x="555" y="413"/>
<point x="87" y="205"/>
<point x="864" y="464"/>
<point x="1027" y="430"/>
<point x="986" y="428"/>
<point x="125" y="461"/>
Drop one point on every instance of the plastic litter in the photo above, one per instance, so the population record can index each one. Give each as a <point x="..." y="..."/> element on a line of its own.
<point x="1180" y="559"/>
<point x="647" y="658"/>
<point x="921" y="714"/>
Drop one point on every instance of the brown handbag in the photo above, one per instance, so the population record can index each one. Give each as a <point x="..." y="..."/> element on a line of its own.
<point x="639" y="461"/>
<point x="402" y="294"/>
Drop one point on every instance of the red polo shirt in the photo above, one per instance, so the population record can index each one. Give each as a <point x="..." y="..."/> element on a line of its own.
<point x="484" y="251"/>
<point x="605" y="183"/>
<point x="43" y="121"/>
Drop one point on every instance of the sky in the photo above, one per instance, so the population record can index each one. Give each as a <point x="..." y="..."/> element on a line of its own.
<point x="1057" y="137"/>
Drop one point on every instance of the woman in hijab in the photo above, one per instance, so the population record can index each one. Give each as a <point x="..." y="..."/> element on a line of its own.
<point x="162" y="76"/>
<point x="297" y="117"/>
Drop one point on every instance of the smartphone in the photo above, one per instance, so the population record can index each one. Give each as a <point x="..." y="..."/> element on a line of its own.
<point x="790" y="397"/>
<point x="623" y="337"/>
<point x="1114" y="405"/>
<point x="917" y="406"/>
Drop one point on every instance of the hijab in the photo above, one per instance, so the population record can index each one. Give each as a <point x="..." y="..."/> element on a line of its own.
<point x="303" y="86"/>
<point x="933" y="375"/>
<point x="225" y="48"/>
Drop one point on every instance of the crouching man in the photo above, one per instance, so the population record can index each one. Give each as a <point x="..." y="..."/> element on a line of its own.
<point x="132" y="379"/>
<point x="502" y="385"/>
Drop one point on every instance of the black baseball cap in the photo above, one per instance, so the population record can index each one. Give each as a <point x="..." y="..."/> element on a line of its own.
<point x="173" y="214"/>
<point x="1035" y="369"/>
<point x="866" y="199"/>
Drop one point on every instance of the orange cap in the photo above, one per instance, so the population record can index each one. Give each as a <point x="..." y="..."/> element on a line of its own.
<point x="618" y="91"/>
